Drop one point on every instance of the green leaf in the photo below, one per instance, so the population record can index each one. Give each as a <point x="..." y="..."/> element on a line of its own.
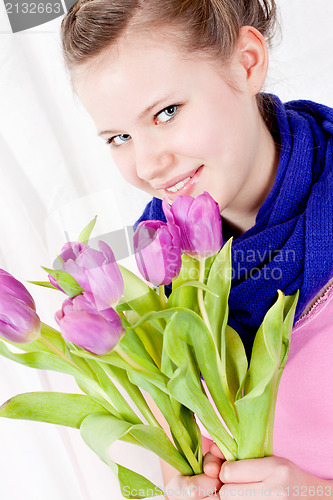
<point x="187" y="417"/>
<point x="266" y="349"/>
<point x="253" y="413"/>
<point x="162" y="399"/>
<point x="139" y="296"/>
<point x="159" y="396"/>
<point x="236" y="361"/>
<point x="132" y="343"/>
<point x="41" y="360"/>
<point x="186" y="390"/>
<point x="132" y="390"/>
<point x="52" y="407"/>
<point x="180" y="354"/>
<point x="95" y="392"/>
<point x="86" y="232"/>
<point x="216" y="303"/>
<point x="290" y="303"/>
<point x="150" y="338"/>
<point x="150" y="371"/>
<point x="186" y="386"/>
<point x="174" y="302"/>
<point x="45" y="284"/>
<point x="114" y="396"/>
<point x="66" y="282"/>
<point x="154" y="439"/>
<point x="99" y="431"/>
<point x="185" y="296"/>
<point x="254" y="408"/>
<point x="122" y="306"/>
<point x="192" y="329"/>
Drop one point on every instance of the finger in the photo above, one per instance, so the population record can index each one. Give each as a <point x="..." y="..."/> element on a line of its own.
<point x="248" y="471"/>
<point x="215" y="450"/>
<point x="202" y="486"/>
<point x="193" y="487"/>
<point x="249" y="490"/>
<point x="212" y="465"/>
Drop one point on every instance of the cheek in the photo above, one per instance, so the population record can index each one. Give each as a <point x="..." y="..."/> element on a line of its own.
<point x="197" y="136"/>
<point x="206" y="136"/>
<point x="125" y="162"/>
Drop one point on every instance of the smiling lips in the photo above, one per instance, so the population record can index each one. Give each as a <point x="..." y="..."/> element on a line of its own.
<point x="179" y="185"/>
<point x="184" y="187"/>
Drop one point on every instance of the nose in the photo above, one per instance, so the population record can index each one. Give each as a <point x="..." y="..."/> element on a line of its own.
<point x="152" y="159"/>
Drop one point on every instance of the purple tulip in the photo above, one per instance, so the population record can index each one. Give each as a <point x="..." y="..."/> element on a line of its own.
<point x="96" y="271"/>
<point x="95" y="331"/>
<point x="19" y="322"/>
<point x="157" y="251"/>
<point x="13" y="287"/>
<point x="53" y="282"/>
<point x="200" y="224"/>
<point x="71" y="250"/>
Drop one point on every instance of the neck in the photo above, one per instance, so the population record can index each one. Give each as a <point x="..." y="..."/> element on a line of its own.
<point x="257" y="187"/>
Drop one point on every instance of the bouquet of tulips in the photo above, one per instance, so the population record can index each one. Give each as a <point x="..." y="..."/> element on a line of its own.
<point x="117" y="328"/>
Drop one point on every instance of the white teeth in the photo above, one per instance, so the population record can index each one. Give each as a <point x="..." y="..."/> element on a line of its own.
<point x="178" y="186"/>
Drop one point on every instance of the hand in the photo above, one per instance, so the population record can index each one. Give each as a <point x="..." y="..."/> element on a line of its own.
<point x="206" y="485"/>
<point x="271" y="477"/>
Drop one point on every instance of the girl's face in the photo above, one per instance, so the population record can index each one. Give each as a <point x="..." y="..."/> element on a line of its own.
<point x="170" y="117"/>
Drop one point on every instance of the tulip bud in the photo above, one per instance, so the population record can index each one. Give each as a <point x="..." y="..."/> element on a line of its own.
<point x="200" y="224"/>
<point x="14" y="288"/>
<point x="157" y="251"/>
<point x="71" y="250"/>
<point x="95" y="331"/>
<point x="61" y="280"/>
<point x="96" y="271"/>
<point x="54" y="282"/>
<point x="19" y="322"/>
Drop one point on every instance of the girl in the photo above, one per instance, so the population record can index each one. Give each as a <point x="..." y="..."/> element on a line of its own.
<point x="174" y="90"/>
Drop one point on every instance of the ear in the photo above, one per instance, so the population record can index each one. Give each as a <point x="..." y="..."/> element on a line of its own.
<point x="252" y="54"/>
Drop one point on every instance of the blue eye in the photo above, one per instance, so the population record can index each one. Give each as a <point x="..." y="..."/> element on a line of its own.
<point x="118" y="140"/>
<point x="166" y="114"/>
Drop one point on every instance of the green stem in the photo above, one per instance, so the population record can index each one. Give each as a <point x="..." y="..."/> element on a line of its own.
<point x="148" y="341"/>
<point x="127" y="358"/>
<point x="58" y="352"/>
<point x="161" y="292"/>
<point x="149" y="346"/>
<point x="133" y="392"/>
<point x="200" y="295"/>
<point x="179" y="432"/>
<point x="189" y="455"/>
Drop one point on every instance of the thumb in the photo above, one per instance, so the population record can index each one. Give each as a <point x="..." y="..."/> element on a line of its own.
<point x="212" y="465"/>
<point x="215" y="450"/>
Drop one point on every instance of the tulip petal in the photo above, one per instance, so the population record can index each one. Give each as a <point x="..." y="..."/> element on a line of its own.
<point x="71" y="250"/>
<point x="200" y="225"/>
<point x="15" y="288"/>
<point x="91" y="331"/>
<point x="18" y="322"/>
<point x="97" y="272"/>
<point x="157" y="251"/>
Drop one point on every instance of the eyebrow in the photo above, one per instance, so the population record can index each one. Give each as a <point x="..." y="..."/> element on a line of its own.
<point x="141" y="115"/>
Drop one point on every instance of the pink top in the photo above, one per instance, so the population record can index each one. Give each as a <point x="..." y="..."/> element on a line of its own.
<point x="303" y="427"/>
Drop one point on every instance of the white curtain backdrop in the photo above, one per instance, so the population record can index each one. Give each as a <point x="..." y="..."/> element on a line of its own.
<point x="55" y="176"/>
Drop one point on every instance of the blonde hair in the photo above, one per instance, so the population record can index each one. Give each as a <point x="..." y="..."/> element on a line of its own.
<point x="91" y="26"/>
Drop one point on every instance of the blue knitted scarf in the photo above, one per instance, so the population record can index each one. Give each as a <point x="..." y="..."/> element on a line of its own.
<point x="290" y="246"/>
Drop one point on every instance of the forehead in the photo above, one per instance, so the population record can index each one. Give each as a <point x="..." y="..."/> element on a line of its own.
<point x="131" y="76"/>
